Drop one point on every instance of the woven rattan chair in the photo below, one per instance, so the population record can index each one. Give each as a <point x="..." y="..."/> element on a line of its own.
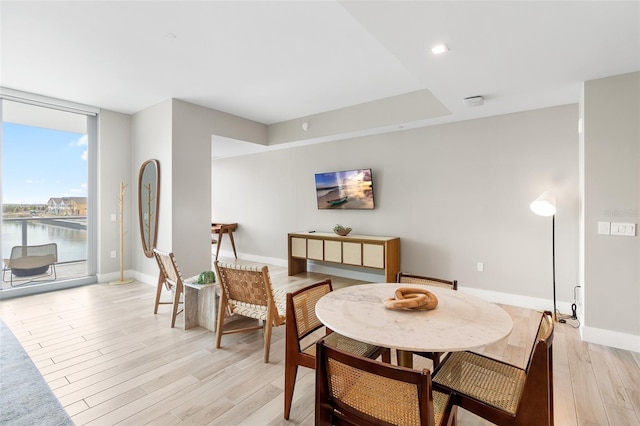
<point x="246" y="290"/>
<point x="171" y="278"/>
<point x="361" y="391"/>
<point x="29" y="261"/>
<point x="502" y="393"/>
<point x="300" y="348"/>
<point x="418" y="279"/>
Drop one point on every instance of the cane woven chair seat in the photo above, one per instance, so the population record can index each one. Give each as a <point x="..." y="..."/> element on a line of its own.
<point x="356" y="390"/>
<point x="246" y="290"/>
<point x="503" y="393"/>
<point x="337" y="340"/>
<point x="493" y="382"/>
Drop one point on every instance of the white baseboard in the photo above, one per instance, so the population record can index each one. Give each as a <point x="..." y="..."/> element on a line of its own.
<point x="615" y="339"/>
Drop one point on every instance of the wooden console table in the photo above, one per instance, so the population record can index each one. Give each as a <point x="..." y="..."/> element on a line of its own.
<point x="355" y="250"/>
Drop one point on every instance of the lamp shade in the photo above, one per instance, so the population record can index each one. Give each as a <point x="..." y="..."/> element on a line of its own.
<point x="544" y="205"/>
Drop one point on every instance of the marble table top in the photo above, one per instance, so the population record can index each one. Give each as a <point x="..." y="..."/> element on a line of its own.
<point x="459" y="322"/>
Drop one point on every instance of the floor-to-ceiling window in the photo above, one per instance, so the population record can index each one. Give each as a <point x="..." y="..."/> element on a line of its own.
<point x="47" y="194"/>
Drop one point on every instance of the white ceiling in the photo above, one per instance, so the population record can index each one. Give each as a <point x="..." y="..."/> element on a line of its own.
<point x="276" y="61"/>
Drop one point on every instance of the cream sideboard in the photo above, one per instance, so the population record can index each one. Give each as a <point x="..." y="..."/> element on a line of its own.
<point x="355" y="250"/>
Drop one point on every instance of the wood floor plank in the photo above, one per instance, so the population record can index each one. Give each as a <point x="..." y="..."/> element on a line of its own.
<point x="110" y="360"/>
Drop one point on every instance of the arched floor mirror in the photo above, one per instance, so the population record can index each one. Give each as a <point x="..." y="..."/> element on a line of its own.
<point x="148" y="204"/>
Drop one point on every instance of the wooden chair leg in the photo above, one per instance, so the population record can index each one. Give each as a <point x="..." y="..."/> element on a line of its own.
<point x="267" y="337"/>
<point x="290" y="374"/>
<point x="158" y="293"/>
<point x="176" y="302"/>
<point x="220" y="324"/>
<point x="386" y="356"/>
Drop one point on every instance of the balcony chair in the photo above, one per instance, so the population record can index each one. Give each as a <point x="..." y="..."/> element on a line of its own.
<point x="246" y="290"/>
<point x="300" y="348"/>
<point x="31" y="261"/>
<point x="502" y="393"/>
<point x="171" y="278"/>
<point x="360" y="391"/>
<point x="418" y="279"/>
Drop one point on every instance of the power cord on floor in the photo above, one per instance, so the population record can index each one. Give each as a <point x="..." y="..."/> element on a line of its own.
<point x="574" y="314"/>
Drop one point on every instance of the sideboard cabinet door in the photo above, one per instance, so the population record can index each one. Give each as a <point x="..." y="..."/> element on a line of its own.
<point x="373" y="255"/>
<point x="352" y="253"/>
<point x="333" y="251"/>
<point x="299" y="247"/>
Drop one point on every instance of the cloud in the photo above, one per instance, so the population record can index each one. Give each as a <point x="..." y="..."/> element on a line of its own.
<point x="83" y="140"/>
<point x="85" y="155"/>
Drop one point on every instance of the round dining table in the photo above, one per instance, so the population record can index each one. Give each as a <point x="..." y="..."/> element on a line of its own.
<point x="459" y="322"/>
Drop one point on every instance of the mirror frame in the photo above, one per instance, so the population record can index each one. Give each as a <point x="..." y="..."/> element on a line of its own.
<point x="151" y="203"/>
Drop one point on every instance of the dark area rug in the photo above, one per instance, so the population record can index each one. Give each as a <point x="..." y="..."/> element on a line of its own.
<point x="25" y="397"/>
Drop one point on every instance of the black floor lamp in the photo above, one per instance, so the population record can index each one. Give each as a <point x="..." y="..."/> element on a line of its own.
<point x="545" y="205"/>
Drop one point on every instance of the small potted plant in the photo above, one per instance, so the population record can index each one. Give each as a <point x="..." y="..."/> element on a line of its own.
<point x="207" y="277"/>
<point x="341" y="230"/>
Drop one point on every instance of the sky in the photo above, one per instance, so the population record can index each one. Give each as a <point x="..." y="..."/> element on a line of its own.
<point x="39" y="164"/>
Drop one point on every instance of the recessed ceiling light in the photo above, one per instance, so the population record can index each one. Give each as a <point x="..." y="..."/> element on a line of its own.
<point x="439" y="49"/>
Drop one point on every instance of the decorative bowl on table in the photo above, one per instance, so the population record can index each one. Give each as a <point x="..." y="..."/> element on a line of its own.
<point x="341" y="230"/>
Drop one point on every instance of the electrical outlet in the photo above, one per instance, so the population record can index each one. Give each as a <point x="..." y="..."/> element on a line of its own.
<point x="113" y="254"/>
<point x="113" y="217"/>
<point x="480" y="267"/>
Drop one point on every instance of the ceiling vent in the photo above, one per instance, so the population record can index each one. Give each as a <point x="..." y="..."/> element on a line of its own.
<point x="473" y="101"/>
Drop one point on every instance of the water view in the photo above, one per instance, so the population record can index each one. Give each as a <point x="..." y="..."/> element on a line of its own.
<point x="72" y="243"/>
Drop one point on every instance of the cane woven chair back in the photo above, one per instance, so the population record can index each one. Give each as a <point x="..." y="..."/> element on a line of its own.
<point x="300" y="347"/>
<point x="171" y="278"/>
<point x="502" y="393"/>
<point x="246" y="290"/>
<point x="418" y="279"/>
<point x="356" y="390"/>
<point x="405" y="278"/>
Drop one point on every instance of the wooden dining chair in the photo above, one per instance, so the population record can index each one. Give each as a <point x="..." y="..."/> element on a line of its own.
<point x="402" y="277"/>
<point x="502" y="393"/>
<point x="246" y="290"/>
<point x="300" y="346"/>
<point x="360" y="391"/>
<point x="170" y="278"/>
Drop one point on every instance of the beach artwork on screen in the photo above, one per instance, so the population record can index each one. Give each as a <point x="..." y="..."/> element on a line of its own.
<point x="349" y="189"/>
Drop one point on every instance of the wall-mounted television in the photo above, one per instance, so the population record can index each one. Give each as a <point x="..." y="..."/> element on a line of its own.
<point x="348" y="189"/>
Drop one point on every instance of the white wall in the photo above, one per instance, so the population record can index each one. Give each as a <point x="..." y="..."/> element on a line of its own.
<point x="191" y="181"/>
<point x="151" y="139"/>
<point x="455" y="194"/>
<point x="612" y="194"/>
<point x="114" y="166"/>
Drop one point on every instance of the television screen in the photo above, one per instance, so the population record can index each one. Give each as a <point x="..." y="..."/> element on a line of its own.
<point x="349" y="189"/>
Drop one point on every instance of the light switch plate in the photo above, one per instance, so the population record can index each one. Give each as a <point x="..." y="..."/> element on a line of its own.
<point x="604" y="228"/>
<point x="623" y="229"/>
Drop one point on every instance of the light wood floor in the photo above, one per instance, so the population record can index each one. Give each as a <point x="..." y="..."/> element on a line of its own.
<point x="110" y="360"/>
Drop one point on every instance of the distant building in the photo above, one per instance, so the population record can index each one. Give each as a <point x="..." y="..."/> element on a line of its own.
<point x="67" y="206"/>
